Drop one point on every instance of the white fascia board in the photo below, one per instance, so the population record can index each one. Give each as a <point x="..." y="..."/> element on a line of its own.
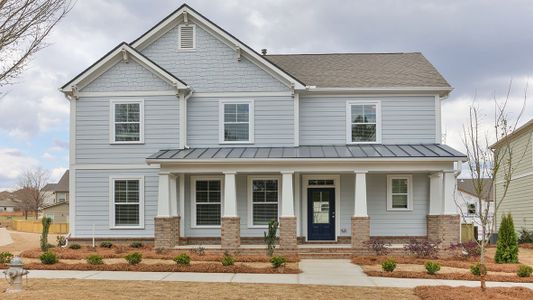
<point x="298" y="160"/>
<point x="442" y="91"/>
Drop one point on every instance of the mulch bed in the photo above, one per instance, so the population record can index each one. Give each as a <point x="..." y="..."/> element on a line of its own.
<point x="526" y="246"/>
<point x="460" y="293"/>
<point x="462" y="263"/>
<point x="202" y="268"/>
<point x="451" y="276"/>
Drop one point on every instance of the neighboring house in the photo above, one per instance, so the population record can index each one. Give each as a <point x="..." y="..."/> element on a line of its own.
<point x="8" y="202"/>
<point x="469" y="207"/>
<point x="519" y="198"/>
<point x="56" y="204"/>
<point x="187" y="135"/>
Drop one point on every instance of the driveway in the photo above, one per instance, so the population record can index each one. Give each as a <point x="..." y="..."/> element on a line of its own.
<point x="16" y="242"/>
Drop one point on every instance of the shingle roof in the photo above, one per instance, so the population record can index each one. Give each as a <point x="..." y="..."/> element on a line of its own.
<point x="467" y="186"/>
<point x="361" y="70"/>
<point x="62" y="185"/>
<point x="333" y="151"/>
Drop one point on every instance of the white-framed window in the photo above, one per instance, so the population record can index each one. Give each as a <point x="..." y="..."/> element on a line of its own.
<point x="399" y="192"/>
<point x="363" y="122"/>
<point x="471" y="209"/>
<point x="207" y="194"/>
<point x="187" y="37"/>
<point x="263" y="200"/>
<point x="127" y="121"/>
<point x="236" y="121"/>
<point x="126" y="202"/>
<point x="61" y="197"/>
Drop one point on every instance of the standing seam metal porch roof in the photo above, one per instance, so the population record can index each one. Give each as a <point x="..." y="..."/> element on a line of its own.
<point x="318" y="152"/>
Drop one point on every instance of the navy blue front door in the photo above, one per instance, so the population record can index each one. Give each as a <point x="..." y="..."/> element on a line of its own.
<point x="321" y="214"/>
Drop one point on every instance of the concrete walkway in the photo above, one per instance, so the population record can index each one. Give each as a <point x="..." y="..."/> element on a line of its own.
<point x="5" y="237"/>
<point x="314" y="271"/>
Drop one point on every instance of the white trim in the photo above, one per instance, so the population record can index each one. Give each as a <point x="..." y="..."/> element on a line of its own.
<point x="349" y="104"/>
<point x="241" y="94"/>
<point x="112" y="180"/>
<point x="336" y="185"/>
<point x="182" y="120"/>
<point x="113" y="166"/>
<point x="72" y="172"/>
<point x="193" y="37"/>
<point x="438" y="120"/>
<point x="443" y="91"/>
<point x="112" y="103"/>
<point x="296" y="119"/>
<point x="193" y="180"/>
<point x="409" y="192"/>
<point x="221" y="123"/>
<point x="181" y="200"/>
<point x="297" y="203"/>
<point x="300" y="160"/>
<point x="126" y="94"/>
<point x="249" y="201"/>
<point x="363" y="95"/>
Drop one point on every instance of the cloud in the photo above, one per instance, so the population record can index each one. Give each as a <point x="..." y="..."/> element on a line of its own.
<point x="56" y="173"/>
<point x="12" y="163"/>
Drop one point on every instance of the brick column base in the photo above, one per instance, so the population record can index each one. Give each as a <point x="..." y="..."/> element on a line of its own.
<point x="444" y="228"/>
<point x="230" y="230"/>
<point x="167" y="232"/>
<point x="360" y="234"/>
<point x="287" y="233"/>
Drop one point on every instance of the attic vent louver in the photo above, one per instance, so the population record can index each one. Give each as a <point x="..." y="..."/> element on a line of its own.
<point x="187" y="37"/>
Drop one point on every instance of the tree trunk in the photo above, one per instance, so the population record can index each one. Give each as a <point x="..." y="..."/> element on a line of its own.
<point x="25" y="214"/>
<point x="36" y="214"/>
<point x="482" y="269"/>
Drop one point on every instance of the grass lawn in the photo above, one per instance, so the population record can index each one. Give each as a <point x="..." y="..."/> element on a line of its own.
<point x="104" y="289"/>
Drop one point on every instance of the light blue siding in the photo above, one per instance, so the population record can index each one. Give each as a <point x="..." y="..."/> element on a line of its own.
<point x="211" y="67"/>
<point x="404" y="120"/>
<point x="93" y="131"/>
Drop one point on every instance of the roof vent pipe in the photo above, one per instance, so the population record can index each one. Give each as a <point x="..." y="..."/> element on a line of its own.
<point x="264" y="51"/>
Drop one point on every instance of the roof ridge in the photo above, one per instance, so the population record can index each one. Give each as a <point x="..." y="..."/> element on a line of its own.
<point x="345" y="53"/>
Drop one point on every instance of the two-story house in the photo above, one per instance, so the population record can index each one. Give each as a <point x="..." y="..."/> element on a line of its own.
<point x="187" y="135"/>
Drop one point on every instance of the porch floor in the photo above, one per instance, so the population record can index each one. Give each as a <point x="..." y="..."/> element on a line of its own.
<point x="303" y="246"/>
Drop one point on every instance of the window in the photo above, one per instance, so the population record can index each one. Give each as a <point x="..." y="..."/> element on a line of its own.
<point x="186" y="37"/>
<point x="127" y="121"/>
<point x="127" y="207"/>
<point x="61" y="197"/>
<point x="236" y="122"/>
<point x="264" y="197"/>
<point x="471" y="208"/>
<point x="207" y="206"/>
<point x="363" y="124"/>
<point x="399" y="192"/>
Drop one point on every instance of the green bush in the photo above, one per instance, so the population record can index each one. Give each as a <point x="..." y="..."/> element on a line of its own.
<point x="507" y="244"/>
<point x="95" y="259"/>
<point x="278" y="261"/>
<point x="134" y="258"/>
<point x="74" y="246"/>
<point x="5" y="257"/>
<point x="228" y="260"/>
<point x="388" y="265"/>
<point x="183" y="259"/>
<point x="432" y="267"/>
<point x="478" y="269"/>
<point x="48" y="258"/>
<point x="136" y="245"/>
<point x="44" y="234"/>
<point x="524" y="271"/>
<point x="106" y="244"/>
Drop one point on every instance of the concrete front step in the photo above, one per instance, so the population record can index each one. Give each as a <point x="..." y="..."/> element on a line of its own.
<point x="326" y="255"/>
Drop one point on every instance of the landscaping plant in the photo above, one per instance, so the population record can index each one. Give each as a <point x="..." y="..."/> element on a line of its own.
<point x="48" y="258"/>
<point x="525" y="236"/>
<point x="95" y="259"/>
<point x="388" y="265"/>
<point x="524" y="271"/>
<point x="74" y="246"/>
<point x="44" y="235"/>
<point x="134" y="258"/>
<point x="5" y="257"/>
<point x="377" y="246"/>
<point x="468" y="249"/>
<point x="228" y="260"/>
<point x="478" y="269"/>
<point x="507" y="245"/>
<point x="270" y="237"/>
<point x="278" y="261"/>
<point x="423" y="248"/>
<point x="136" y="245"/>
<point x="106" y="244"/>
<point x="61" y="240"/>
<point x="432" y="267"/>
<point x="200" y="251"/>
<point x="183" y="259"/>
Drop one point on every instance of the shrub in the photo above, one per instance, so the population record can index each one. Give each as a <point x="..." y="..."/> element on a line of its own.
<point x="119" y="249"/>
<point x="388" y="265"/>
<point x="525" y="236"/>
<point x="469" y="249"/>
<point x="61" y="240"/>
<point x="432" y="267"/>
<point x="227" y="260"/>
<point x="270" y="237"/>
<point x="136" y="245"/>
<point x="423" y="249"/>
<point x="5" y="257"/>
<point x="75" y="246"/>
<point x="95" y="259"/>
<point x="183" y="259"/>
<point x="106" y="244"/>
<point x="44" y="234"/>
<point x="524" y="271"/>
<point x="478" y="269"/>
<point x="48" y="258"/>
<point x="278" y="261"/>
<point x="506" y="246"/>
<point x="377" y="246"/>
<point x="200" y="251"/>
<point x="134" y="258"/>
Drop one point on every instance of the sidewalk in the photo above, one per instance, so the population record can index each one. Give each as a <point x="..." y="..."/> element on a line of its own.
<point x="314" y="271"/>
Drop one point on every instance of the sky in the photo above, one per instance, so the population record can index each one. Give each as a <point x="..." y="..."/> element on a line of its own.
<point x="480" y="46"/>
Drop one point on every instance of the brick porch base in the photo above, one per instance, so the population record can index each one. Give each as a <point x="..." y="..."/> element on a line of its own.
<point x="167" y="232"/>
<point x="230" y="229"/>
<point x="360" y="234"/>
<point x="287" y="233"/>
<point x="446" y="228"/>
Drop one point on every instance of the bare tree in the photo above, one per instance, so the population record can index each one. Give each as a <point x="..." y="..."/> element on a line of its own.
<point x="486" y="165"/>
<point x="31" y="196"/>
<point x="24" y="24"/>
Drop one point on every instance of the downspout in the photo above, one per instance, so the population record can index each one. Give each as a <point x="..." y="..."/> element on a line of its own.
<point x="183" y="118"/>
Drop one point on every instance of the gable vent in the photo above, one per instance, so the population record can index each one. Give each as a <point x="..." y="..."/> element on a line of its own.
<point x="186" y="37"/>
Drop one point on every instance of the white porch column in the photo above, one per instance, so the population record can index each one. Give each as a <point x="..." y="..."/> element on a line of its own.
<point x="435" y="194"/>
<point x="230" y="194"/>
<point x="287" y="195"/>
<point x="182" y="203"/>
<point x="449" y="186"/>
<point x="360" y="209"/>
<point x="173" y="196"/>
<point x="163" y="201"/>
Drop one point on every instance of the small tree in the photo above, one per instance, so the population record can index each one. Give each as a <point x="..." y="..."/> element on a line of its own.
<point x="270" y="237"/>
<point x="44" y="235"/>
<point x="30" y="196"/>
<point x="507" y="245"/>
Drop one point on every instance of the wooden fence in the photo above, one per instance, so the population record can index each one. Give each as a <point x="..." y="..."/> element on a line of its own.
<point x="37" y="226"/>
